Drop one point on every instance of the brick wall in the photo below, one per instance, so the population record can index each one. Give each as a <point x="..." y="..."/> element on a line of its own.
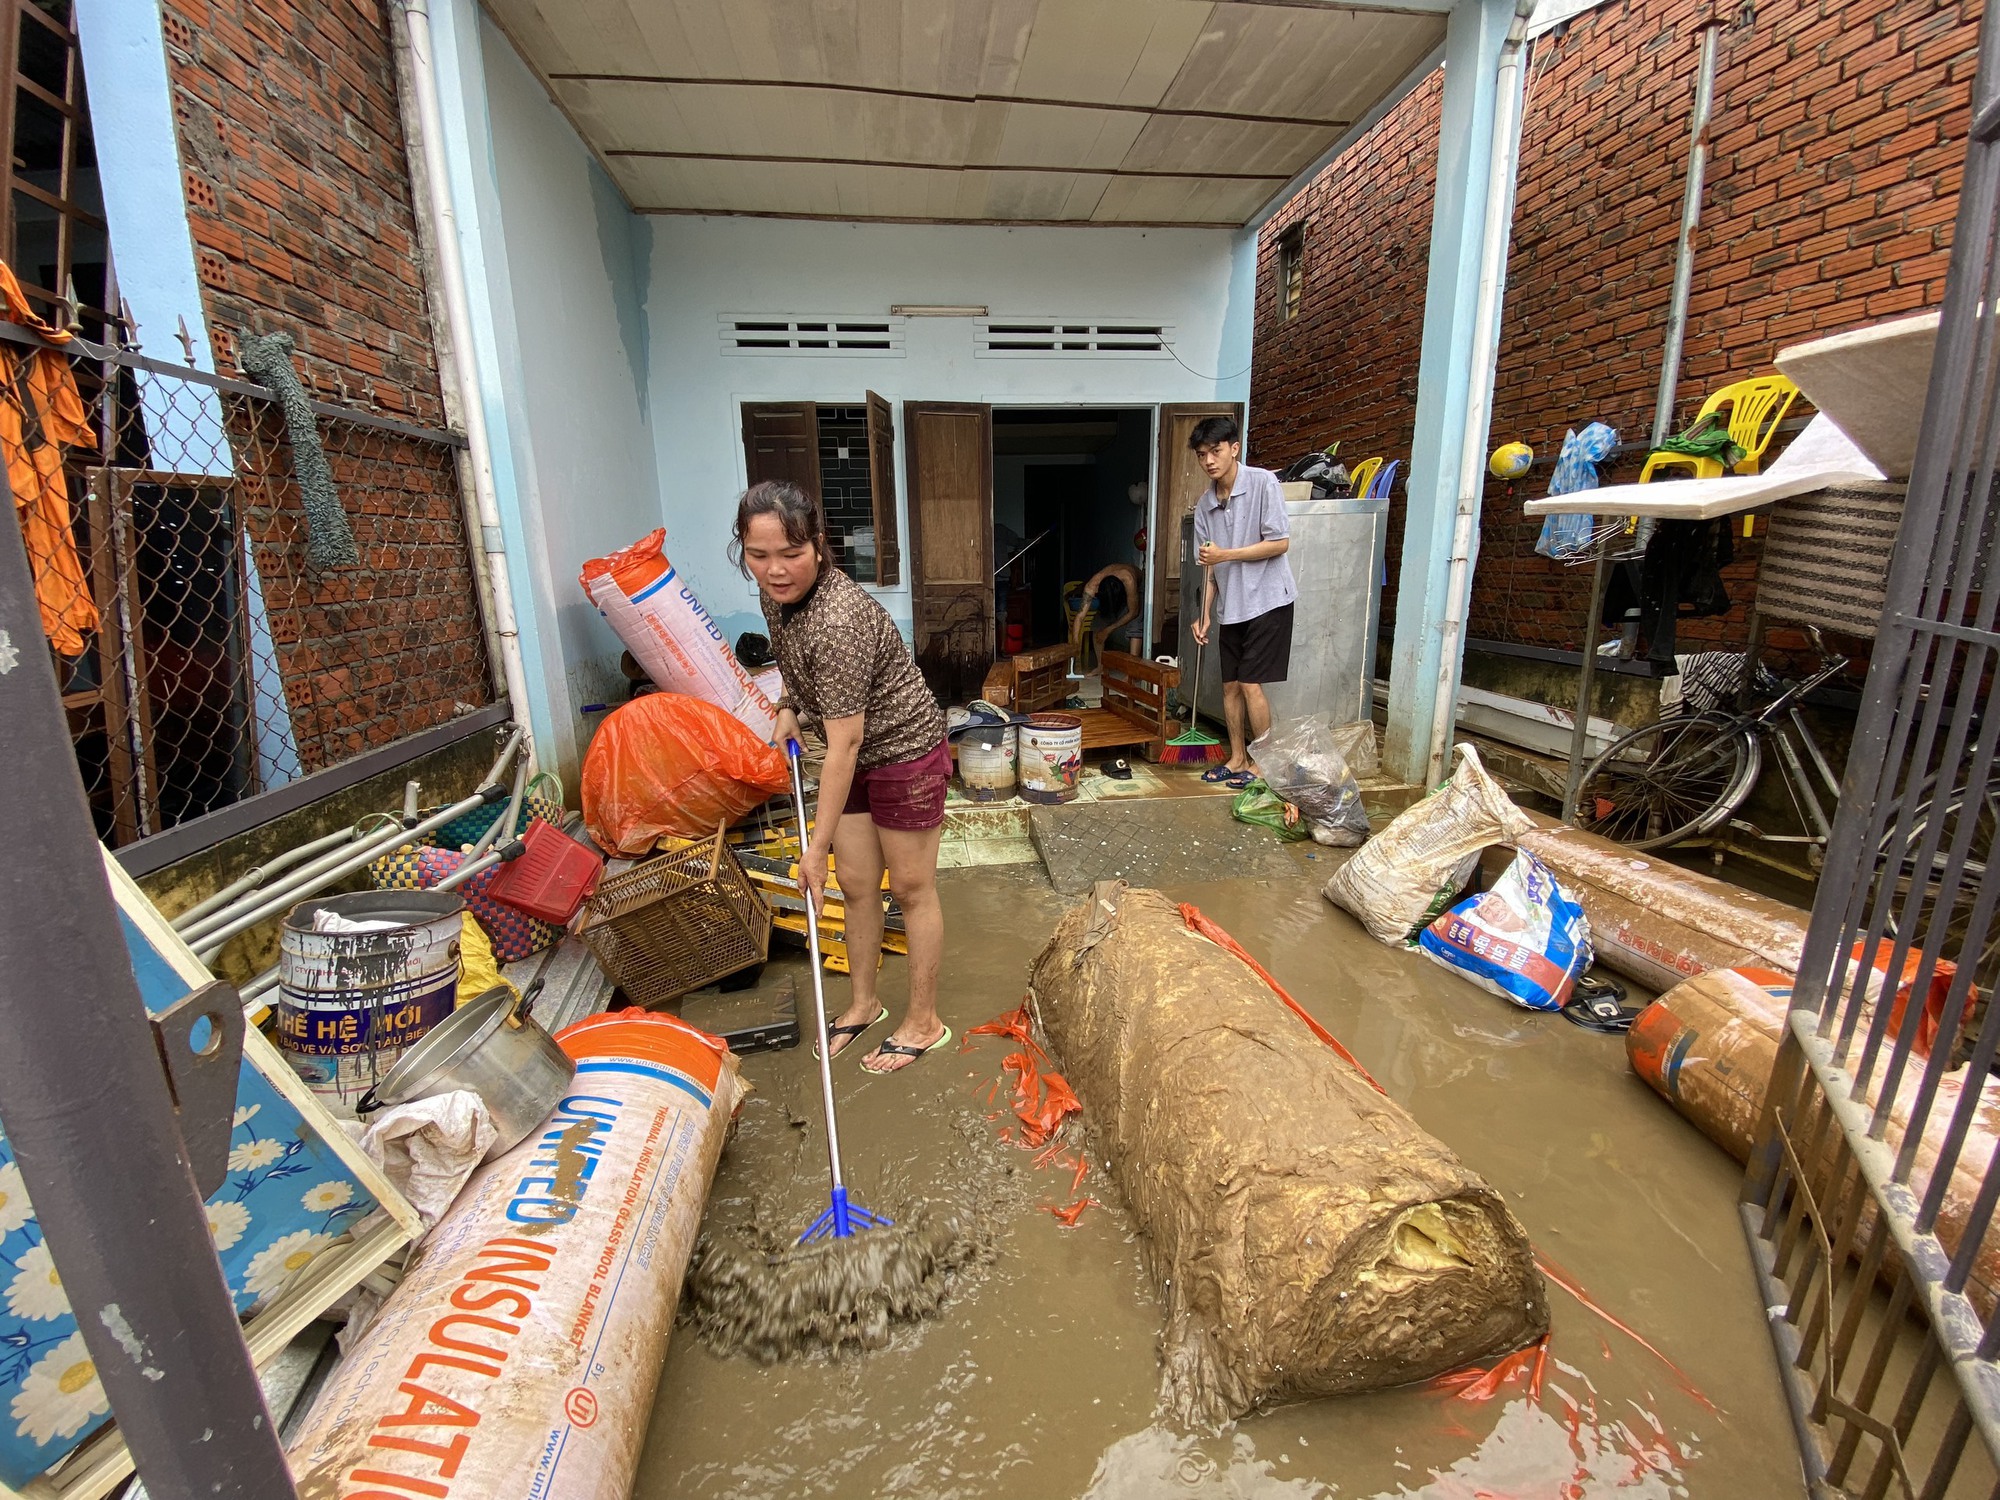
<point x="297" y="183"/>
<point x="1833" y="179"/>
<point x="298" y="191"/>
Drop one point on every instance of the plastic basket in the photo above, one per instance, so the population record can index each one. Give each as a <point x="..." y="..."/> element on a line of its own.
<point x="677" y="922"/>
<point x="553" y="876"/>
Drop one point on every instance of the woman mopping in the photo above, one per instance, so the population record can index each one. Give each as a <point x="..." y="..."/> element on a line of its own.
<point x="881" y="790"/>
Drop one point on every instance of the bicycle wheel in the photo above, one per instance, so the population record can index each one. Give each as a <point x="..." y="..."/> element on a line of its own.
<point x="1668" y="781"/>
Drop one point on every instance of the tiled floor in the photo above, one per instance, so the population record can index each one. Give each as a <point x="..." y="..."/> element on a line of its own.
<point x="996" y="833"/>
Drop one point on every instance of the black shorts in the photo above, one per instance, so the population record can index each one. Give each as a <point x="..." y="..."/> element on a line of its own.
<point x="1258" y="650"/>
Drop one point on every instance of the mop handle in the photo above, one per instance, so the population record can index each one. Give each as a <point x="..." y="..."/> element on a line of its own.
<point x="792" y="753"/>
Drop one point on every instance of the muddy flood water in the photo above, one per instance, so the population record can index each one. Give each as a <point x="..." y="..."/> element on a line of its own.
<point x="1039" y="1378"/>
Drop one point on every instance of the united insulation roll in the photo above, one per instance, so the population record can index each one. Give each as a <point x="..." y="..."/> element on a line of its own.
<point x="667" y="631"/>
<point x="1310" y="1239"/>
<point x="1709" y="1047"/>
<point x="518" y="1358"/>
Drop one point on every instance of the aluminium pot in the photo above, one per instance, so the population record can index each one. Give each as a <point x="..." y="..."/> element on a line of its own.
<point x="508" y="1060"/>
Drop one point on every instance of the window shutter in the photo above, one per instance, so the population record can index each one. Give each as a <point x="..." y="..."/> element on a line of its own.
<point x="781" y="441"/>
<point x="882" y="487"/>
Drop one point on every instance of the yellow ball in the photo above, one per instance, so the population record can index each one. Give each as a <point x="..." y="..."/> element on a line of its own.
<point x="1510" y="460"/>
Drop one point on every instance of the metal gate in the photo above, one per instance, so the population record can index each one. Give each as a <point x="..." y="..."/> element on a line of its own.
<point x="1871" y="1193"/>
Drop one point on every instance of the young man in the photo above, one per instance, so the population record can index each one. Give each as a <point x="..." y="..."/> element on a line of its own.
<point x="1241" y="536"/>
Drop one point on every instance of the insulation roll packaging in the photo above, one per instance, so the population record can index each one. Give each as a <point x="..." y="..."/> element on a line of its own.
<point x="654" y="612"/>
<point x="1309" y="1237"/>
<point x="1709" y="1046"/>
<point x="519" y="1356"/>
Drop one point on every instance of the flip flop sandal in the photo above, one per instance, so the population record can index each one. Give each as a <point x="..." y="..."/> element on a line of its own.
<point x="893" y="1048"/>
<point x="1239" y="781"/>
<point x="1119" y="770"/>
<point x="1217" y="774"/>
<point x="1599" y="1005"/>
<point x="851" y="1032"/>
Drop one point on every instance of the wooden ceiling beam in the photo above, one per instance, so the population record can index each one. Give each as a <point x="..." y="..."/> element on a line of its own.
<point x="946" y="166"/>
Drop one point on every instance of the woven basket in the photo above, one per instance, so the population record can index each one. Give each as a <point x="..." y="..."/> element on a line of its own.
<point x="678" y="922"/>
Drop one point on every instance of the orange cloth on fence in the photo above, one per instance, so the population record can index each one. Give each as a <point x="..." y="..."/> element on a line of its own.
<point x="40" y="414"/>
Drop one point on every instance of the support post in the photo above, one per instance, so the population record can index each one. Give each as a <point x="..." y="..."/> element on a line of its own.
<point x="1458" y="352"/>
<point x="87" y="1112"/>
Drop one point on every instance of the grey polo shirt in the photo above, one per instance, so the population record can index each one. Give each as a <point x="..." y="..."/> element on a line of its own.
<point x="1255" y="513"/>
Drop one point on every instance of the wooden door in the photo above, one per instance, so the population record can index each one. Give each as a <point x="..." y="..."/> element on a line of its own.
<point x="781" y="441"/>
<point x="882" y="491"/>
<point x="951" y="541"/>
<point x="1179" y="482"/>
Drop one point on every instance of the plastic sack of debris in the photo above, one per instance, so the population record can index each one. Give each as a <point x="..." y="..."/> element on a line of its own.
<point x="1356" y="744"/>
<point x="1259" y="805"/>
<point x="1524" y="940"/>
<point x="1301" y="765"/>
<point x="1309" y="1238"/>
<point x="670" y="766"/>
<point x="657" y="616"/>
<point x="1409" y="872"/>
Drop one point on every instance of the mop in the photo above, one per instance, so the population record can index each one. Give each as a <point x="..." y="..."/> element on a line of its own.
<point x="854" y="1273"/>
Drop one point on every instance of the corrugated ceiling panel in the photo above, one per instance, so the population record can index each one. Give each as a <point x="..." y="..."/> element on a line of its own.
<point x="1113" y="51"/>
<point x="1183" y="145"/>
<point x="1299" y="61"/>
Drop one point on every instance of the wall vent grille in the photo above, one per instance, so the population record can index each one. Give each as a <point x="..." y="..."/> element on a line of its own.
<point x="784" y="333"/>
<point x="1048" y="338"/>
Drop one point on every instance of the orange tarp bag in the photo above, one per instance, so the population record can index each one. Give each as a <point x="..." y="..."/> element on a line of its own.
<point x="667" y="765"/>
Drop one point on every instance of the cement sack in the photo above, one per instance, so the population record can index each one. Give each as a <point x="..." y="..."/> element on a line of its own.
<point x="667" y="631"/>
<point x="1709" y="1046"/>
<point x="1659" y="924"/>
<point x="519" y="1356"/>
<point x="1409" y="872"/>
<point x="1308" y="1237"/>
<point x="1524" y="940"/>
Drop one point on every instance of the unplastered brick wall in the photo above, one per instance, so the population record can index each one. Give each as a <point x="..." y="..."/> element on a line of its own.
<point x="1836" y="149"/>
<point x="298" y="192"/>
<point x="296" y="178"/>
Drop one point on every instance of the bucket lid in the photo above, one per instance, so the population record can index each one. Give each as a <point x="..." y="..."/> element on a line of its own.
<point x="650" y="1037"/>
<point x="412" y="908"/>
<point x="445" y="1043"/>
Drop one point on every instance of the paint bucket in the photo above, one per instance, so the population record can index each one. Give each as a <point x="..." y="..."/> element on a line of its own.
<point x="351" y="1003"/>
<point x="986" y="759"/>
<point x="1051" y="757"/>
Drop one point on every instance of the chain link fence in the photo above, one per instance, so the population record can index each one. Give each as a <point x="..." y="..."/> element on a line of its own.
<point x="203" y="657"/>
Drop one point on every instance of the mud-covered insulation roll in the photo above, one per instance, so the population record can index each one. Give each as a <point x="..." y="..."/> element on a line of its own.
<point x="519" y="1356"/>
<point x="1309" y="1238"/>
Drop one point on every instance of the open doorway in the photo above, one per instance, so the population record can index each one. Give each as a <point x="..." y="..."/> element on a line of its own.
<point x="1070" y="487"/>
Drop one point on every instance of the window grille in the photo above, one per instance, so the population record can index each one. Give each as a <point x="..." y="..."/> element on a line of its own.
<point x="780" y="333"/>
<point x="1044" y="338"/>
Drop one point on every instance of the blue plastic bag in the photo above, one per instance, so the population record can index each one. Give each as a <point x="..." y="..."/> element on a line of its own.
<point x="1524" y="939"/>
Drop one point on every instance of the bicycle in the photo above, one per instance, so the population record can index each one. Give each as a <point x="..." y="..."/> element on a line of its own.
<point x="1685" y="777"/>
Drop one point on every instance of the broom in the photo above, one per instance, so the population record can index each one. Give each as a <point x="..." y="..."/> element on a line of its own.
<point x="1196" y="746"/>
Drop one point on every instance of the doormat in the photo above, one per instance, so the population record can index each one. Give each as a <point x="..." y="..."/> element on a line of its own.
<point x="1157" y="841"/>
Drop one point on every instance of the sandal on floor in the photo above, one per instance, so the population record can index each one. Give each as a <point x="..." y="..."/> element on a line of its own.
<point x="851" y="1032"/>
<point x="1215" y="774"/>
<point x="1239" y="781"/>
<point x="893" y="1048"/>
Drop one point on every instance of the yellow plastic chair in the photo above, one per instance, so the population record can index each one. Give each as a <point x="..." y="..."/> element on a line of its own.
<point x="1756" y="407"/>
<point x="1362" y="475"/>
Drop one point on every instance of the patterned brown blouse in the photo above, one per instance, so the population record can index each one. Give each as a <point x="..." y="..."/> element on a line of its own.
<point x="842" y="655"/>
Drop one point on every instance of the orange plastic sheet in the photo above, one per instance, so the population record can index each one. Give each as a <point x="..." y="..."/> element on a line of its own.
<point x="1201" y="925"/>
<point x="1042" y="1102"/>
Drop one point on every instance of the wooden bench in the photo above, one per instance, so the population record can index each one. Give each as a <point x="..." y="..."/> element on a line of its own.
<point x="1134" y="709"/>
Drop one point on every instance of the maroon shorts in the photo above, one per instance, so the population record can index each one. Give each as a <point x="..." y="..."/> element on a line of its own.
<point x="907" y="795"/>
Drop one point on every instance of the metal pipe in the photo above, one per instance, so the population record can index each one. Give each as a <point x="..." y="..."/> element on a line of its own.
<point x="507" y="819"/>
<point x="1586" y="681"/>
<point x="297" y="889"/>
<point x="1503" y="163"/>
<point x="258" y="874"/>
<point x="91" y="1122"/>
<point x="429" y="132"/>
<point x="196" y="932"/>
<point x="1670" y="359"/>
